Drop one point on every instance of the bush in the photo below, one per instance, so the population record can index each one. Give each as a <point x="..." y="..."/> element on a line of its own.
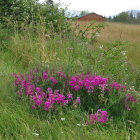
<point x="17" y="14"/>
<point x="50" y="91"/>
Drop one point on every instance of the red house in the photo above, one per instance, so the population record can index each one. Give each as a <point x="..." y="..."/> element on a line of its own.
<point x="91" y="17"/>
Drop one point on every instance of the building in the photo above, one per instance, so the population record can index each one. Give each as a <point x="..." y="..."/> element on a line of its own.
<point x="92" y="17"/>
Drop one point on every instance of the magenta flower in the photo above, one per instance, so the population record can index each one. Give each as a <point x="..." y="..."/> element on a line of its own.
<point x="76" y="88"/>
<point x="45" y="76"/>
<point x="131" y="98"/>
<point x="99" y="116"/>
<point x="30" y="89"/>
<point x="47" y="105"/>
<point x="102" y="116"/>
<point x="128" y="100"/>
<point x="78" y="100"/>
<point x="33" y="107"/>
<point x="38" y="89"/>
<point x="69" y="96"/>
<point x="117" y="86"/>
<point x="92" y="118"/>
<point x="38" y="100"/>
<point x="23" y="83"/>
<point x="53" y="80"/>
<point x="50" y="91"/>
<point x="61" y="74"/>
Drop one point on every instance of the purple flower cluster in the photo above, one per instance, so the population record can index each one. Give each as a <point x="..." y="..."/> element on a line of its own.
<point x="117" y="86"/>
<point x="131" y="98"/>
<point x="88" y="82"/>
<point x="91" y="82"/>
<point x="45" y="75"/>
<point x="53" y="80"/>
<point x="128" y="100"/>
<point x="41" y="90"/>
<point x="38" y="97"/>
<point x="61" y="74"/>
<point x="99" y="116"/>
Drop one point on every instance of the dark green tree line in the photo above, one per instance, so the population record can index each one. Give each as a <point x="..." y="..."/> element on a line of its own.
<point x="132" y="16"/>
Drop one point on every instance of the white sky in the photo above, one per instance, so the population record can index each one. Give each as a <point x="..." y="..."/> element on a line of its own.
<point x="103" y="7"/>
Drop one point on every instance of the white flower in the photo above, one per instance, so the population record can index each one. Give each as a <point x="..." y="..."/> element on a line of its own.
<point x="79" y="124"/>
<point x="101" y="46"/>
<point x="124" y="52"/>
<point x="62" y="119"/>
<point x="84" y="125"/>
<point x="62" y="132"/>
<point x="36" y="134"/>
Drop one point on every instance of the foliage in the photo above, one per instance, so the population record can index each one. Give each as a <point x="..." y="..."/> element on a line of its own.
<point x="22" y="12"/>
<point x="24" y="117"/>
<point x="83" y="13"/>
<point x="132" y="17"/>
<point x="19" y="11"/>
<point x="89" y="32"/>
<point x="55" y="19"/>
<point x="92" y="92"/>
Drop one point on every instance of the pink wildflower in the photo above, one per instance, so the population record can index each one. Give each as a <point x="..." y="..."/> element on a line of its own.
<point x="131" y="98"/>
<point x="117" y="86"/>
<point x="99" y="116"/>
<point x="76" y="88"/>
<point x="53" y="80"/>
<point x="47" y="105"/>
<point x="61" y="74"/>
<point x="45" y="76"/>
<point x="78" y="100"/>
<point x="33" y="107"/>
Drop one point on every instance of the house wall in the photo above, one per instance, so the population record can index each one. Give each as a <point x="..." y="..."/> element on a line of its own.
<point x="91" y="17"/>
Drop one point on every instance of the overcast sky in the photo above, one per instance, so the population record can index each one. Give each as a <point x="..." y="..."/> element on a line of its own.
<point x="103" y="7"/>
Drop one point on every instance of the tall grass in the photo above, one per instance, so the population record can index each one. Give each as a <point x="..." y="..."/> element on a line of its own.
<point x="121" y="32"/>
<point x="22" y="51"/>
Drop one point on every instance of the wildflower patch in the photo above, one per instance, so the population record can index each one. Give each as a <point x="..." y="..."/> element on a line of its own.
<point x="91" y="93"/>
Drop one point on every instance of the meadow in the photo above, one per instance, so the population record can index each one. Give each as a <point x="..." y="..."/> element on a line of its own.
<point x="122" y="32"/>
<point x="115" y="55"/>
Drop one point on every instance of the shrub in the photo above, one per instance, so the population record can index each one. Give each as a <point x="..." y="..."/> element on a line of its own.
<point x="89" y="92"/>
<point x="17" y="14"/>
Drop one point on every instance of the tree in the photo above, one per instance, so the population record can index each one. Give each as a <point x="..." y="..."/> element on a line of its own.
<point x="132" y="16"/>
<point x="138" y="15"/>
<point x="23" y="12"/>
<point x="18" y="11"/>
<point x="50" y="2"/>
<point x="83" y="13"/>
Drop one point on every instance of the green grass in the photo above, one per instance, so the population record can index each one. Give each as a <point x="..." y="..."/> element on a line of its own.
<point x="20" y="52"/>
<point x="19" y="122"/>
